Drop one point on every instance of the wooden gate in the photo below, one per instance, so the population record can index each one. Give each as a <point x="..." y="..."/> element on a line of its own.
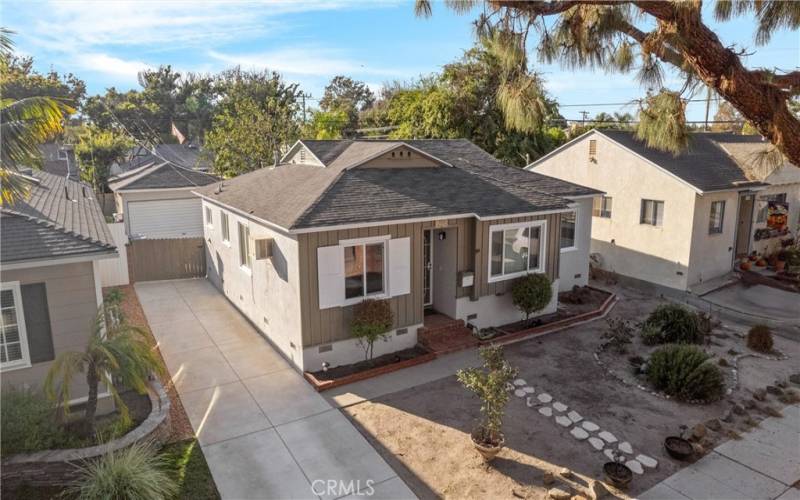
<point x="151" y="260"/>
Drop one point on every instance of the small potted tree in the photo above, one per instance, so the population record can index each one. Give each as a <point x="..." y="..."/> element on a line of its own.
<point x="489" y="383"/>
<point x="372" y="320"/>
<point x="531" y="294"/>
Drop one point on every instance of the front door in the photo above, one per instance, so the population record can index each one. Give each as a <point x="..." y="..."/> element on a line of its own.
<point x="427" y="268"/>
<point x="746" y="203"/>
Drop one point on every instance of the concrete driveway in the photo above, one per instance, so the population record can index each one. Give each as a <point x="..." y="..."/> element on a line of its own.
<point x="758" y="301"/>
<point x="264" y="431"/>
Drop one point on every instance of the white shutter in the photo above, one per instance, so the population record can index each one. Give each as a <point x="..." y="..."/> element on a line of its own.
<point x="399" y="266"/>
<point x="330" y="274"/>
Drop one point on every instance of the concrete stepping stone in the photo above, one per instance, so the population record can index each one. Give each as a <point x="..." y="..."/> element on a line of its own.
<point x="529" y="402"/>
<point x="544" y="397"/>
<point x="608" y="437"/>
<point x="625" y="447"/>
<point x="519" y="393"/>
<point x="563" y="421"/>
<point x="609" y="453"/>
<point x="590" y="426"/>
<point x="652" y="463"/>
<point x="559" y="406"/>
<point x="574" y="416"/>
<point x="546" y="411"/>
<point x="579" y="433"/>
<point x="528" y="389"/>
<point x="520" y="382"/>
<point x="635" y="466"/>
<point x="597" y="443"/>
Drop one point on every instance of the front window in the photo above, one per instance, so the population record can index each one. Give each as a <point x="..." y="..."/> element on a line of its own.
<point x="516" y="250"/>
<point x="717" y="215"/>
<point x="364" y="270"/>
<point x="226" y="230"/>
<point x="601" y="207"/>
<point x="244" y="253"/>
<point x="568" y="230"/>
<point x="652" y="213"/>
<point x="13" y="341"/>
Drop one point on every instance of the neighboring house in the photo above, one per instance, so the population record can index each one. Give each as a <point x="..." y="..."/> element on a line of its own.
<point x="676" y="220"/>
<point x="59" y="159"/>
<point x="50" y="245"/>
<point x="182" y="155"/>
<point x="155" y="201"/>
<point x="437" y="224"/>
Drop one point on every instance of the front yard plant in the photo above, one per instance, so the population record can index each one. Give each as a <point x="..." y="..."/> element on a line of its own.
<point x="672" y="324"/>
<point x="27" y="420"/>
<point x="618" y="334"/>
<point x="531" y="294"/>
<point x="759" y="338"/>
<point x="372" y="320"/>
<point x="685" y="372"/>
<point x="489" y="383"/>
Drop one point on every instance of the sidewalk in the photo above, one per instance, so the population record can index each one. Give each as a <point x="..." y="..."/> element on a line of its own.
<point x="264" y="431"/>
<point x="765" y="463"/>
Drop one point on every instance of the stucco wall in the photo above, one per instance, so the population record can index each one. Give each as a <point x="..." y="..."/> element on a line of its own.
<point x="268" y="295"/>
<point x="712" y="254"/>
<point x="573" y="265"/>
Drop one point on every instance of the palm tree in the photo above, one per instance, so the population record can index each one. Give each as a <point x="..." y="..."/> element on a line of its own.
<point x="116" y="351"/>
<point x="24" y="124"/>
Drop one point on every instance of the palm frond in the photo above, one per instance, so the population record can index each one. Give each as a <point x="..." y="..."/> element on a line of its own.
<point x="6" y="44"/>
<point x="422" y="8"/>
<point x="59" y="377"/>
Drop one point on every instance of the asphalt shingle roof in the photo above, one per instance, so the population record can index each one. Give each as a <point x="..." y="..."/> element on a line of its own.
<point x="59" y="218"/>
<point x="161" y="176"/>
<point x="296" y="196"/>
<point x="183" y="155"/>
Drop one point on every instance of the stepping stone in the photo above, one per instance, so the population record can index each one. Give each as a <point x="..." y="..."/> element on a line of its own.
<point x="609" y="453"/>
<point x="559" y="406"/>
<point x="590" y="426"/>
<point x="546" y="411"/>
<point x="574" y="416"/>
<point x="608" y="437"/>
<point x="528" y="389"/>
<point x="625" y="447"/>
<point x="635" y="466"/>
<point x="647" y="461"/>
<point x="520" y="382"/>
<point x="579" y="433"/>
<point x="563" y="421"/>
<point x="519" y="393"/>
<point x="529" y="403"/>
<point x="597" y="443"/>
<point x="544" y="397"/>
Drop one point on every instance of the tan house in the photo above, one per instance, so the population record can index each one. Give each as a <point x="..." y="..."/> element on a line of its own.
<point x="50" y="245"/>
<point x="677" y="220"/>
<point x="427" y="224"/>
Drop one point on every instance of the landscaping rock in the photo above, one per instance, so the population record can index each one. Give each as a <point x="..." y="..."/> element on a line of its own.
<point x="699" y="431"/>
<point x="795" y="378"/>
<point x="635" y="466"/>
<point x="565" y="472"/>
<point x="563" y="421"/>
<point x="597" y="490"/>
<point x="529" y="389"/>
<point x="548" y="479"/>
<point x="546" y="411"/>
<point x="579" y="433"/>
<point x="649" y="462"/>
<point x="597" y="443"/>
<point x="625" y="447"/>
<point x="760" y="394"/>
<point x="575" y="416"/>
<point x="713" y="424"/>
<point x="774" y="390"/>
<point x="529" y="402"/>
<point x="782" y="384"/>
<point x="738" y="409"/>
<point x="558" y="494"/>
<point x="559" y="406"/>
<point x="519" y="393"/>
<point x="727" y="416"/>
<point x="520" y="382"/>
<point x="590" y="426"/>
<point x="608" y="437"/>
<point x="609" y="453"/>
<point x="544" y="397"/>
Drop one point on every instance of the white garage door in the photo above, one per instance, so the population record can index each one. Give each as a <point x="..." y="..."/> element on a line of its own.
<point x="180" y="218"/>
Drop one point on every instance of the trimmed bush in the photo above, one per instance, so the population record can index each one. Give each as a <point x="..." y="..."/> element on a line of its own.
<point x="759" y="338"/>
<point x="531" y="293"/>
<point x="372" y="319"/>
<point x="675" y="325"/>
<point x="684" y="371"/>
<point x="28" y="422"/>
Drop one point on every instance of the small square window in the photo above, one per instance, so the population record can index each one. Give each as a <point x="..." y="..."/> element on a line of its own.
<point x="652" y="213"/>
<point x="601" y="207"/>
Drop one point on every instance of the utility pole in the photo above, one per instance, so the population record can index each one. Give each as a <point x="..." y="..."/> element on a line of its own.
<point x="303" y="97"/>
<point x="584" y="115"/>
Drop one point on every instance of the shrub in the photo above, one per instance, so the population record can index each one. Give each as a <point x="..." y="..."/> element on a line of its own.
<point x="619" y="333"/>
<point x="531" y="293"/>
<point x="684" y="371"/>
<point x="371" y="320"/>
<point x="28" y="422"/>
<point x="133" y="473"/>
<point x="759" y="338"/>
<point x="676" y="325"/>
<point x="651" y="334"/>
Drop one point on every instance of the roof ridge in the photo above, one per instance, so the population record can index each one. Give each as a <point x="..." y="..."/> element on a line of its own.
<point x="52" y="225"/>
<point x="314" y="203"/>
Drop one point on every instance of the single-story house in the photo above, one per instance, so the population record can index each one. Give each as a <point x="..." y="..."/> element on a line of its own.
<point x="675" y="220"/>
<point x="187" y="155"/>
<point x="155" y="200"/>
<point x="437" y="224"/>
<point x="50" y="245"/>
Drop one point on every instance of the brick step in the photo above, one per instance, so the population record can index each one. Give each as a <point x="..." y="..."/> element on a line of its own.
<point x="443" y="327"/>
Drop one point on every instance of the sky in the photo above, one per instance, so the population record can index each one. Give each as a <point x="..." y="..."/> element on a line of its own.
<point x="107" y="42"/>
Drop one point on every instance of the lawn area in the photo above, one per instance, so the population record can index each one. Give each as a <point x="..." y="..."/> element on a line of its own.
<point x="189" y="469"/>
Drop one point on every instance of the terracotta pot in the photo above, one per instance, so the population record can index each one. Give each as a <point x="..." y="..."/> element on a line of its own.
<point x="780" y="265"/>
<point x="761" y="263"/>
<point x="488" y="451"/>
<point x="618" y="474"/>
<point x="745" y="266"/>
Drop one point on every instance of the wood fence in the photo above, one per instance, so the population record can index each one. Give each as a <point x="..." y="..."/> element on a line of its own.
<point x="151" y="260"/>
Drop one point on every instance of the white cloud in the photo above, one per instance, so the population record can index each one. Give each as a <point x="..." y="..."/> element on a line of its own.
<point x="110" y="65"/>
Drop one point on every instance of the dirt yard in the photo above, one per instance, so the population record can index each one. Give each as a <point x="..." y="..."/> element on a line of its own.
<point x="424" y="431"/>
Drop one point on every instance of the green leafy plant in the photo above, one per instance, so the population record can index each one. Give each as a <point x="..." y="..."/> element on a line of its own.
<point x="675" y="325"/>
<point x="27" y="418"/>
<point x="372" y="319"/>
<point x="489" y="384"/>
<point x="684" y="371"/>
<point x="619" y="333"/>
<point x="531" y="293"/>
<point x="133" y="473"/>
<point x="759" y="338"/>
<point x="116" y="351"/>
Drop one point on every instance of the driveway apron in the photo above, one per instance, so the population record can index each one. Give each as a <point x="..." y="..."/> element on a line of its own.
<point x="264" y="431"/>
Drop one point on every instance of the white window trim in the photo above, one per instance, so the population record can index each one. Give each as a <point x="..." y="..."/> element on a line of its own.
<point x="712" y="230"/>
<point x="367" y="241"/>
<point x="244" y="267"/>
<point x="656" y="202"/>
<point x="542" y="253"/>
<point x="209" y="218"/>
<point x="25" y="361"/>
<point x="225" y="241"/>
<point x="574" y="236"/>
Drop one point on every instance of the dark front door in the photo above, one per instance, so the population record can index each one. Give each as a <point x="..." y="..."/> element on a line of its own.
<point x="427" y="268"/>
<point x="745" y="221"/>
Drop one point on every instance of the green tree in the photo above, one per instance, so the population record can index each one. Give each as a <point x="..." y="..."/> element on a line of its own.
<point x="326" y="125"/>
<point x="638" y="35"/>
<point x="116" y="351"/>
<point x="18" y="80"/>
<point x="257" y="115"/>
<point x="348" y="96"/>
<point x="97" y="150"/>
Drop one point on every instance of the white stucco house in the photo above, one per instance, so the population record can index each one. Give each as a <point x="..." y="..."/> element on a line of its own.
<point x="427" y="224"/>
<point x="675" y="220"/>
